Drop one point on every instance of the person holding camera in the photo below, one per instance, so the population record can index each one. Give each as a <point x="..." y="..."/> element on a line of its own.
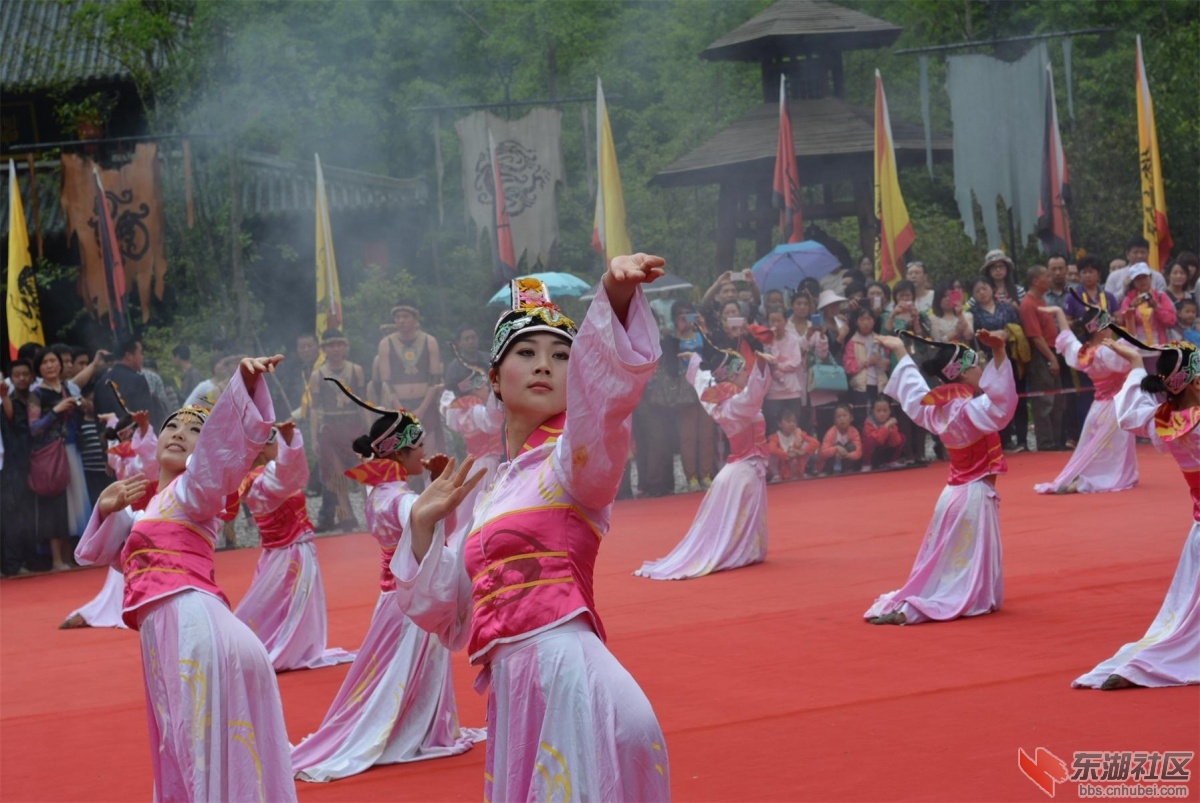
<point x="1148" y="313"/>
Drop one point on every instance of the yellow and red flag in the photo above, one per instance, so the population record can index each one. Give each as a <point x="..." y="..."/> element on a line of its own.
<point x="24" y="316"/>
<point x="1154" y="199"/>
<point x="785" y="193"/>
<point x="891" y="216"/>
<point x="609" y="235"/>
<point x="329" y="293"/>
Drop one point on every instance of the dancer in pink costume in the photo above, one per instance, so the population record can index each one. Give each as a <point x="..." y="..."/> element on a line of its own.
<point x="133" y="454"/>
<point x="1163" y="406"/>
<point x="285" y="604"/>
<point x="470" y="410"/>
<point x="730" y="528"/>
<point x="1106" y="457"/>
<point x="212" y="703"/>
<point x="959" y="570"/>
<point x="397" y="703"/>
<point x="565" y="719"/>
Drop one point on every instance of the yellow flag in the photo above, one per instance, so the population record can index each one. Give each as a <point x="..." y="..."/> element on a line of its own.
<point x="891" y="215"/>
<point x="1154" y="200"/>
<point x="609" y="235"/>
<point x="24" y="317"/>
<point x="329" y="294"/>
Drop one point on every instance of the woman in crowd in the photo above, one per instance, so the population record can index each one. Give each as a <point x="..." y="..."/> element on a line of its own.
<point x="814" y="348"/>
<point x="215" y="717"/>
<point x="1179" y="285"/>
<point x="1105" y="458"/>
<point x="958" y="571"/>
<point x="730" y="528"/>
<point x="518" y="590"/>
<point x="1148" y="313"/>
<point x="990" y="315"/>
<point x="789" y="374"/>
<point x="397" y="702"/>
<point x="1165" y="407"/>
<point x="697" y="436"/>
<point x="949" y="319"/>
<point x="285" y="604"/>
<point x="904" y="315"/>
<point x="999" y="271"/>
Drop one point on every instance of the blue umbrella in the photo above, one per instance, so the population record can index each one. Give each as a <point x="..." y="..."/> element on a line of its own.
<point x="559" y="285"/>
<point x="790" y="263"/>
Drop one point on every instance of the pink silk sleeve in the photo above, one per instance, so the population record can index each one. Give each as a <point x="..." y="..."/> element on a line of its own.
<point x="230" y="441"/>
<point x="435" y="593"/>
<point x="609" y="369"/>
<point x="283" y="477"/>
<point x="102" y="540"/>
<point x="146" y="449"/>
<point x="1136" y="407"/>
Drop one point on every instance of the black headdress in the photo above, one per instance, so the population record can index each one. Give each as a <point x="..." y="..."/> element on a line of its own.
<point x="403" y="428"/>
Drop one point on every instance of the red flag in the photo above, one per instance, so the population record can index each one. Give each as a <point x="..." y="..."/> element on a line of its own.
<point x="1053" y="225"/>
<point x="504" y="256"/>
<point x="110" y="252"/>
<point x="786" y="190"/>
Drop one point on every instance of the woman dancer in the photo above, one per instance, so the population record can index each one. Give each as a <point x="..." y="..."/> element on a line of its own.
<point x="730" y="528"/>
<point x="471" y="411"/>
<point x="133" y="454"/>
<point x="397" y="702"/>
<point x="958" y="571"/>
<point x="564" y="717"/>
<point x="1163" y="406"/>
<point x="215" y="717"/>
<point x="1106" y="457"/>
<point x="285" y="604"/>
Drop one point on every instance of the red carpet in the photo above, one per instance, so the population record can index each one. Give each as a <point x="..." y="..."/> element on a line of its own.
<point x="768" y="684"/>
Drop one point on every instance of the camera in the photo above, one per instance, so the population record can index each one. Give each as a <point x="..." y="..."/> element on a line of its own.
<point x="1144" y="297"/>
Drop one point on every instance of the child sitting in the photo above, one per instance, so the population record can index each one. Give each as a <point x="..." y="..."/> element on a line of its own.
<point x="1185" y="317"/>
<point x="841" y="449"/>
<point x="790" y="448"/>
<point x="882" y="439"/>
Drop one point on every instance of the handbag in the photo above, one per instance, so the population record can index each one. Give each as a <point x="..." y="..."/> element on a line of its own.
<point x="828" y="375"/>
<point x="49" y="471"/>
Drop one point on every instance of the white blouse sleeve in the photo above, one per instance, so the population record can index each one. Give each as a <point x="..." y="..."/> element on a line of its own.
<point x="435" y="593"/>
<point x="104" y="537"/>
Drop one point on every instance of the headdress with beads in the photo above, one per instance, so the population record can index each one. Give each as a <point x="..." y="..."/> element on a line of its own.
<point x="403" y="430"/>
<point x="1178" y="362"/>
<point x="1094" y="318"/>
<point x="468" y="377"/>
<point x="949" y="361"/>
<point x="192" y="412"/>
<point x="532" y="311"/>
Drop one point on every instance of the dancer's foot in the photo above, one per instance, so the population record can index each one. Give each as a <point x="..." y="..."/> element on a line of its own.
<point x="893" y="618"/>
<point x="62" y="567"/>
<point x="72" y="622"/>
<point x="1113" y="682"/>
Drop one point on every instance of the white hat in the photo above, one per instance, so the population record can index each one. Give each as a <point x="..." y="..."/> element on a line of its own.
<point x="828" y="297"/>
<point x="1136" y="270"/>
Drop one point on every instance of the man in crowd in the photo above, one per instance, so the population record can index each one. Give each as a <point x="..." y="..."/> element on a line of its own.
<point x="16" y="505"/>
<point x="466" y="355"/>
<point x="1136" y="250"/>
<point x="410" y="366"/>
<point x="1041" y="329"/>
<point x="189" y="375"/>
<point x="336" y="422"/>
<point x="126" y="372"/>
<point x="1057" y="295"/>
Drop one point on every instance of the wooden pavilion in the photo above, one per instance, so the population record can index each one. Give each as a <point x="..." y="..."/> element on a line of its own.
<point x="834" y="139"/>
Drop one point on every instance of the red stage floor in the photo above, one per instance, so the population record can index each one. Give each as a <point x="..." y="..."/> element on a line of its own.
<point x="768" y="684"/>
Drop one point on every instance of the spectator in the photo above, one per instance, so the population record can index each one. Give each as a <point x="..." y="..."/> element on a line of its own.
<point x="207" y="392"/>
<point x="66" y="357"/>
<point x="998" y="269"/>
<point x="16" y="508"/>
<point x="189" y="376"/>
<point x="1090" y="281"/>
<point x="773" y="301"/>
<point x="904" y="315"/>
<point x="126" y="372"/>
<point x="165" y="401"/>
<point x="1137" y="251"/>
<point x="1148" y="313"/>
<point x="1041" y="330"/>
<point x="879" y="299"/>
<point x="791" y="448"/>
<point x="866" y="365"/>
<point x="1072" y="274"/>
<point x="789" y="380"/>
<point x="466" y="357"/>
<point x="814" y="348"/>
<point x="841" y="448"/>
<point x="1057" y="294"/>
<point x="724" y="290"/>
<point x="410" y="367"/>
<point x="1186" y="322"/>
<point x="949" y="320"/>
<point x="1178" y="287"/>
<point x="1191" y="264"/>
<point x="336" y="421"/>
<point x="833" y="322"/>
<point x="993" y="316"/>
<point x="882" y="440"/>
<point x="866" y="266"/>
<point x="922" y="289"/>
<point x="93" y="446"/>
<point x="697" y="433"/>
<point x="294" y="374"/>
<point x="81" y="357"/>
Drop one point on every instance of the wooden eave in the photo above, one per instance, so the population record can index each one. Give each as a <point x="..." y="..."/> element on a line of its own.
<point x="798" y="27"/>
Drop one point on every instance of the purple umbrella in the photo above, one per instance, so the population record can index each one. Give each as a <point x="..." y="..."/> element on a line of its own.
<point x="790" y="263"/>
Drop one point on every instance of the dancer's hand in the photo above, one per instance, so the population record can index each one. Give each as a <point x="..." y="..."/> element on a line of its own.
<point x="142" y="419"/>
<point x="635" y="269"/>
<point x="993" y="340"/>
<point x="122" y="494"/>
<point x="1127" y="351"/>
<point x="286" y="430"/>
<point x="252" y="367"/>
<point x="892" y="344"/>
<point x="436" y="465"/>
<point x="438" y="500"/>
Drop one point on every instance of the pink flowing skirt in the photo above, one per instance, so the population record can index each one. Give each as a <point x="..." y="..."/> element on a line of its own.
<point x="212" y="704"/>
<point x="1104" y="460"/>
<point x="1169" y="653"/>
<point x="105" y="608"/>
<point x="396" y="704"/>
<point x="568" y="722"/>
<point x="958" y="571"/>
<point x="730" y="528"/>
<point x="285" y="607"/>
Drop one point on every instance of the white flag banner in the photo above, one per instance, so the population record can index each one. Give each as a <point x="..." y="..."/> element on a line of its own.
<point x="531" y="164"/>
